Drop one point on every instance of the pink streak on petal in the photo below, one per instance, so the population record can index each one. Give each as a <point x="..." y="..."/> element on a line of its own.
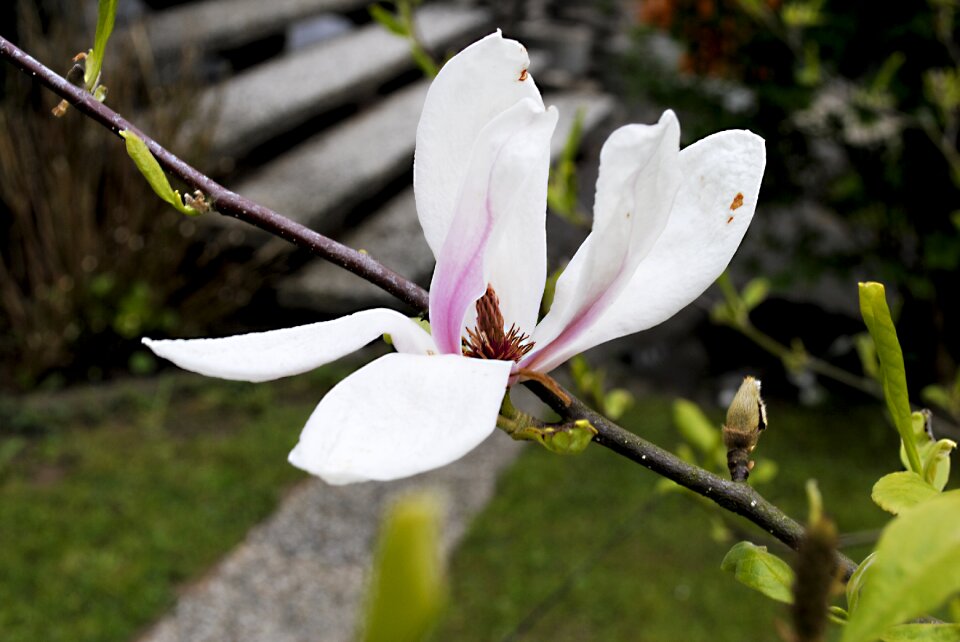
<point x="458" y="280"/>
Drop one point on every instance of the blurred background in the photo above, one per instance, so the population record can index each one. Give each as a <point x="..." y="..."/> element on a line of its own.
<point x="122" y="482"/>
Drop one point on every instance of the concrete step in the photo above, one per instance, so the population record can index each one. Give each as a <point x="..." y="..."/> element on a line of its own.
<point x="318" y="182"/>
<point x="213" y="25"/>
<point x="272" y="98"/>
<point x="393" y="235"/>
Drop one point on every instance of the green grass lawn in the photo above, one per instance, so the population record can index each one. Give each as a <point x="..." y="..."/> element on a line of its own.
<point x="584" y="548"/>
<point x="119" y="501"/>
<point x="115" y="501"/>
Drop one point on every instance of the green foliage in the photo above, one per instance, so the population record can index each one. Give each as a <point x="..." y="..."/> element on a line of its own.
<point x="876" y="314"/>
<point x="857" y="580"/>
<point x="106" y="13"/>
<point x="801" y="14"/>
<point x="590" y="383"/>
<point x="695" y="428"/>
<point x="154" y="174"/>
<point x="902" y="490"/>
<point x="408" y="587"/>
<point x="934" y="454"/>
<point x="914" y="571"/>
<point x="753" y="566"/>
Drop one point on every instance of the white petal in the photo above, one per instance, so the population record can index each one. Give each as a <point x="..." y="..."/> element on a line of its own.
<point x="714" y="207"/>
<point x="401" y="415"/>
<point x="638" y="181"/>
<point x="262" y="356"/>
<point x="503" y="195"/>
<point x="471" y="89"/>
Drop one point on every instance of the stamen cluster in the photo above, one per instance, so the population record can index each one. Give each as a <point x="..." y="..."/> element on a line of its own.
<point x="489" y="340"/>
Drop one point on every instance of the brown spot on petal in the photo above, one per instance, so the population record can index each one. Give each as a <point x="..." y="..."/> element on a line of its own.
<point x="729" y="220"/>
<point x="737" y="201"/>
<point x="523" y="75"/>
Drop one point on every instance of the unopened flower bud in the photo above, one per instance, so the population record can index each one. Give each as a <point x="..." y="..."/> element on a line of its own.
<point x="746" y="418"/>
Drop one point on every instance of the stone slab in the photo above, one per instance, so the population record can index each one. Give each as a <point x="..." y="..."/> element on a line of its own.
<point x="222" y="24"/>
<point x="272" y="98"/>
<point x="317" y="181"/>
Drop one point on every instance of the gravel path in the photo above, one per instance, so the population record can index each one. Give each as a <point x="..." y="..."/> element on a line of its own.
<point x="300" y="575"/>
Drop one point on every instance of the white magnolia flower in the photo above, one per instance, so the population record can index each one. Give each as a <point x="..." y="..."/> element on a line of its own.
<point x="666" y="224"/>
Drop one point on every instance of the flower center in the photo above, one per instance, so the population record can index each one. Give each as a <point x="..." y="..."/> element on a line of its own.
<point x="489" y="340"/>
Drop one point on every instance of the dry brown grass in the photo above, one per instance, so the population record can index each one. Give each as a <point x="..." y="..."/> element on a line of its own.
<point x="90" y="259"/>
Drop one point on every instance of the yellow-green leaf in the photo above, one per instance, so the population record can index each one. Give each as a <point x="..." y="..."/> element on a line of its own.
<point x="922" y="633"/>
<point x="567" y="440"/>
<point x="876" y="314"/>
<point x="696" y="429"/>
<point x="106" y="13"/>
<point x="899" y="491"/>
<point x="408" y="586"/>
<point x="616" y="402"/>
<point x="755" y="292"/>
<point x="857" y="580"/>
<point x="915" y="569"/>
<point x="762" y="571"/>
<point x="936" y="462"/>
<point x="152" y="171"/>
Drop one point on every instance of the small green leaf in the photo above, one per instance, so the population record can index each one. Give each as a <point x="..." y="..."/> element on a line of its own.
<point x="569" y="440"/>
<point x="408" y="588"/>
<point x="936" y="462"/>
<point x="922" y="633"/>
<point x="152" y="171"/>
<point x="764" y="471"/>
<point x="755" y="292"/>
<point x="876" y="314"/>
<point x="762" y="571"/>
<point x="936" y="395"/>
<point x="837" y="615"/>
<point x="915" y="570"/>
<point x="694" y="426"/>
<point x="387" y="20"/>
<point x="106" y="13"/>
<point x="856" y="581"/>
<point x="617" y="402"/>
<point x="897" y="492"/>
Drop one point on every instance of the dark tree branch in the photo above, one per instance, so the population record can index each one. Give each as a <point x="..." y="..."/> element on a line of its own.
<point x="735" y="497"/>
<point x="225" y="201"/>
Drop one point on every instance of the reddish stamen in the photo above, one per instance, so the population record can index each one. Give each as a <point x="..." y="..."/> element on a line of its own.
<point x="488" y="340"/>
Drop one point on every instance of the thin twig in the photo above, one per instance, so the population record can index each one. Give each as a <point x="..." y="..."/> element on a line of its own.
<point x="736" y="497"/>
<point x="225" y="201"/>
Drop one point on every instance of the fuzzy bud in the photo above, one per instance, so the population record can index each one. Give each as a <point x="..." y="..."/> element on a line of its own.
<point x="746" y="419"/>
